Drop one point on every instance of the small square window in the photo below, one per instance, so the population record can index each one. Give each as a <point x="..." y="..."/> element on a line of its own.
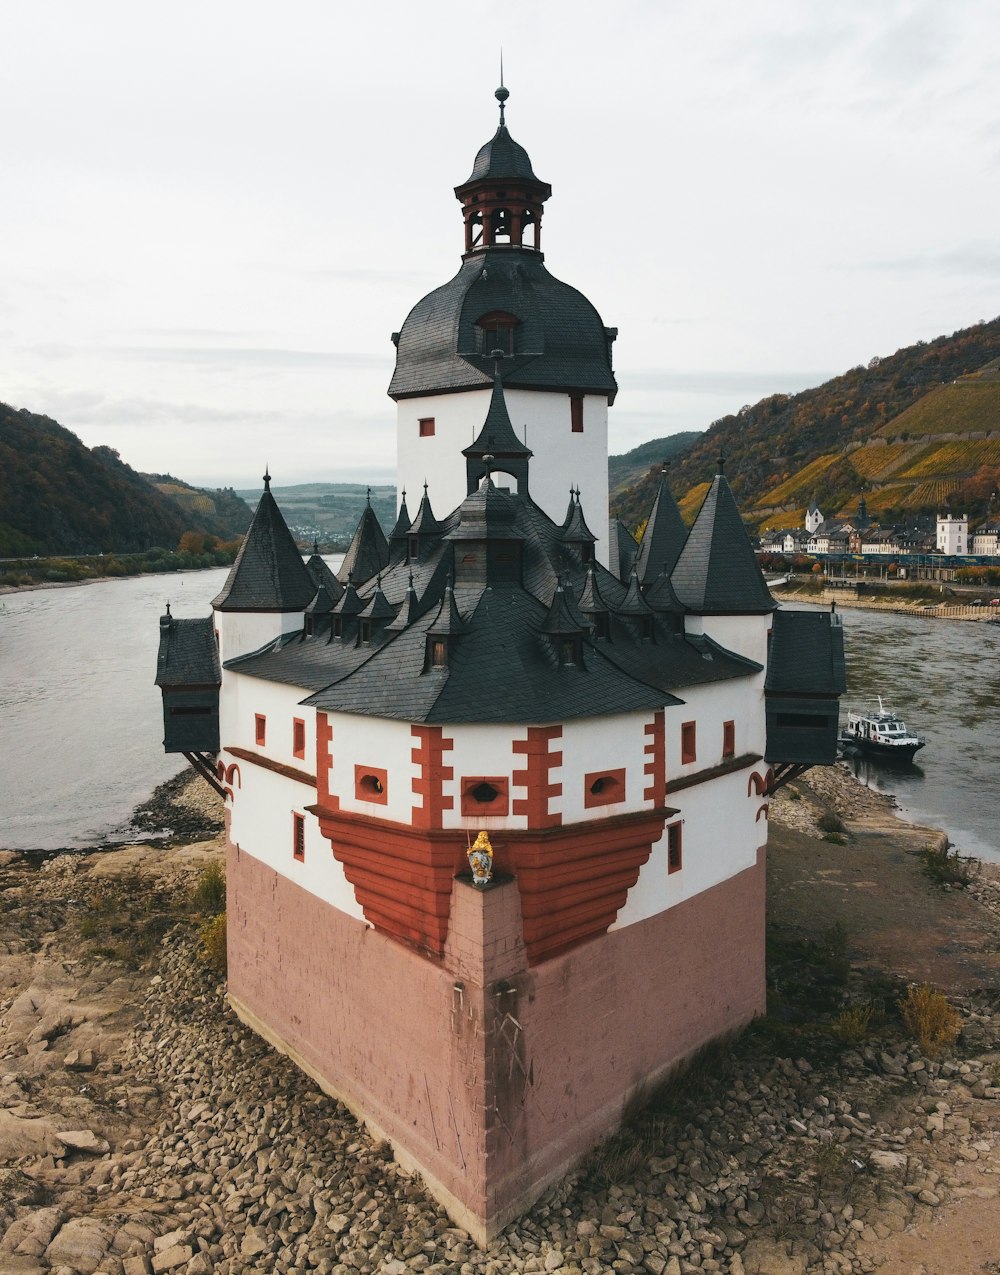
<point x="728" y="739"/>
<point x="298" y="737"/>
<point x="426" y="426"/>
<point x="259" y="729"/>
<point x="688" y="743"/>
<point x="576" y="413"/>
<point x="299" y="837"/>
<point x="674" y="853"/>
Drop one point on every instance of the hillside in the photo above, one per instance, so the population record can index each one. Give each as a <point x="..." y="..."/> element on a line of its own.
<point x="629" y="467"/>
<point x="330" y="511"/>
<point x="914" y="431"/>
<point x="58" y="496"/>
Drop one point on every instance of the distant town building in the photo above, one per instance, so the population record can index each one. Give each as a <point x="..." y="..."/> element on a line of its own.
<point x="813" y="517"/>
<point x="952" y="533"/>
<point x="986" y="541"/>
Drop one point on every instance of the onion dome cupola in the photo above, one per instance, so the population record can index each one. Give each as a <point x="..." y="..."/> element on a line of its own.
<point x="268" y="574"/>
<point x="717" y="572"/>
<point x="503" y="300"/>
<point x="369" y="550"/>
<point x="664" y="536"/>
<point x="575" y="531"/>
<point x="486" y="541"/>
<point x="498" y="440"/>
<point x="502" y="198"/>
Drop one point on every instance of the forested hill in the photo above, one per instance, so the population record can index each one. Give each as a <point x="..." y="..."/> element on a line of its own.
<point x="788" y="449"/>
<point x="58" y="496"/>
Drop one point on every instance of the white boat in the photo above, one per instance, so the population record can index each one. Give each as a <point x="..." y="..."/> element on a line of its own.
<point x="881" y="732"/>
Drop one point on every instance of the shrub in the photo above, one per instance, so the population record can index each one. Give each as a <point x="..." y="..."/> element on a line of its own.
<point x="946" y="868"/>
<point x="829" y="822"/>
<point x="212" y="936"/>
<point x="855" y="1023"/>
<point x="209" y="893"/>
<point x="930" y="1018"/>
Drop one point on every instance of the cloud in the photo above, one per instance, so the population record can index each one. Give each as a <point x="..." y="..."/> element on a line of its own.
<point x="971" y="259"/>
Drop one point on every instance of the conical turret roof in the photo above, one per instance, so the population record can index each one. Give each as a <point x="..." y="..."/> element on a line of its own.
<point x="322" y="575"/>
<point x="448" y="621"/>
<point x="425" y="524"/>
<point x="379" y="607"/>
<point x="633" y="603"/>
<point x="350" y="604"/>
<point x="663" y="538"/>
<point x="497" y="436"/>
<point x="574" y="529"/>
<point x="591" y="601"/>
<point x="563" y="619"/>
<point x="408" y="612"/>
<point x="717" y="571"/>
<point x="268" y="574"/>
<point x="369" y="550"/>
<point x="402" y="524"/>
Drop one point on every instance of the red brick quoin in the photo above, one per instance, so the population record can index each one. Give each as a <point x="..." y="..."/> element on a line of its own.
<point x="656" y="763"/>
<point x="428" y="754"/>
<point x="534" y="778"/>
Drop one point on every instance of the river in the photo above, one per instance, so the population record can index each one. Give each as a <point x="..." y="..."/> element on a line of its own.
<point x="81" y="728"/>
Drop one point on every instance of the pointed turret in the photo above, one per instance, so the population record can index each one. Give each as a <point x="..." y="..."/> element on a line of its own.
<point x="448" y="622"/>
<point x="574" y="530"/>
<point x="322" y="576"/>
<point x="369" y="551"/>
<point x="407" y="613"/>
<point x="498" y="440"/>
<point x="268" y="574"/>
<point x="717" y="572"/>
<point x="624" y="550"/>
<point x="664" y="536"/>
<point x="402" y="524"/>
<point x="564" y="618"/>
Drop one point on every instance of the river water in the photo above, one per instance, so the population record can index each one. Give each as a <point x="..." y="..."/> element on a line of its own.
<point x="81" y="727"/>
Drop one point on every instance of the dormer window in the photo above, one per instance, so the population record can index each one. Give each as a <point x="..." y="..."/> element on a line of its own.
<point x="570" y="652"/>
<point x="495" y="331"/>
<point x="602" y="626"/>
<point x="439" y="653"/>
<point x="365" y="631"/>
<point x="338" y="626"/>
<point x="412" y="548"/>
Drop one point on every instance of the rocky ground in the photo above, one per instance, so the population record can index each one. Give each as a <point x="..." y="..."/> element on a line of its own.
<point x="144" y="1129"/>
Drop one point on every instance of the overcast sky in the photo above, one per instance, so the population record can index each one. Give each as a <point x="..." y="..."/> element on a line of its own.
<point x="213" y="214"/>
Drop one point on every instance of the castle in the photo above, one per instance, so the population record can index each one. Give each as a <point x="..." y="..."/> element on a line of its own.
<point x="613" y="717"/>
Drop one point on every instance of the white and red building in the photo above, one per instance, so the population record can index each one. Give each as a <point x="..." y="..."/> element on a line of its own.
<point x="616" y="737"/>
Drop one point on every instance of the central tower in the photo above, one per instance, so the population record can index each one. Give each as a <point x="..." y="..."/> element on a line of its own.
<point x="504" y="313"/>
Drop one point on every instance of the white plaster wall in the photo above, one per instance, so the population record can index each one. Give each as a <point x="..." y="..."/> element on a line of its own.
<point x="373" y="742"/>
<point x="740" y="701"/>
<point x="952" y="533"/>
<point x="607" y="743"/>
<point x="746" y="635"/>
<point x="261" y="825"/>
<point x="241" y="632"/>
<point x="561" y="458"/>
<point x="483" y="750"/>
<point x="243" y="697"/>
<point x="720" y="837"/>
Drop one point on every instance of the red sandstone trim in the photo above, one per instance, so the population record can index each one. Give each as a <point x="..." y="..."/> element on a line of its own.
<point x="428" y="785"/>
<point x="689" y="743"/>
<point x="471" y="806"/>
<point x="371" y="783"/>
<point x="259" y="729"/>
<point x="713" y="772"/>
<point x="324" y="762"/>
<point x="609" y="785"/>
<point x="279" y="768"/>
<point x="299" y="737"/>
<point x="656" y="767"/>
<point x="572" y="879"/>
<point x="535" y="779"/>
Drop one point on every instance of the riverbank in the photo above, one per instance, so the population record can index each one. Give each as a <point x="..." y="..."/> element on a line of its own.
<point x="894" y="605"/>
<point x="143" y="1128"/>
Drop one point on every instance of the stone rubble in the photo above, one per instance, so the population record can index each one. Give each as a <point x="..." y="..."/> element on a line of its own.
<point x="245" y="1166"/>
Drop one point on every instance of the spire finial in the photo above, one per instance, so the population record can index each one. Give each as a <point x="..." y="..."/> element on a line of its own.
<point x="425" y="488"/>
<point x="267" y="477"/>
<point x="168" y="608"/>
<point x="411" y="581"/>
<point x="722" y="462"/>
<point x="502" y="94"/>
<point x="315" y="545"/>
<point x="368" y="496"/>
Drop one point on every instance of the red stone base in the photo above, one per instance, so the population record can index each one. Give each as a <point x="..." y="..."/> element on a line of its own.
<point x="491" y="1077"/>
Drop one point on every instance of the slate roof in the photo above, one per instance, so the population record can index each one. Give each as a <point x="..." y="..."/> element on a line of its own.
<point x="402" y="524"/>
<point x="323" y="576"/>
<point x="664" y="537"/>
<point x="624" y="549"/>
<point x="497" y="437"/>
<point x="425" y="524"/>
<point x="806" y="654"/>
<point x="501" y="157"/>
<point x="187" y="655"/>
<point x="560" y="342"/>
<point x="574" y="529"/>
<point x="268" y="574"/>
<point x="369" y="550"/>
<point x="717" y="571"/>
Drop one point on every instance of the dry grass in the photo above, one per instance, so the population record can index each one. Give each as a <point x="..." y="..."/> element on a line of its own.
<point x="212" y="940"/>
<point x="927" y="1014"/>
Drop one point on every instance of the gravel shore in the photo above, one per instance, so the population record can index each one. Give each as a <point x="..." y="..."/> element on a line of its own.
<point x="144" y="1129"/>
